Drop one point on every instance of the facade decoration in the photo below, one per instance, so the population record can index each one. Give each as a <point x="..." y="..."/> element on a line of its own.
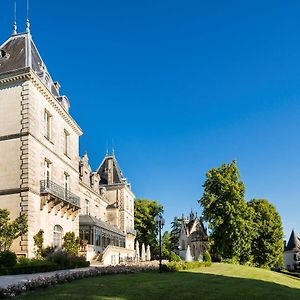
<point x="193" y="240"/>
<point x="42" y="174"/>
<point x="291" y="253"/>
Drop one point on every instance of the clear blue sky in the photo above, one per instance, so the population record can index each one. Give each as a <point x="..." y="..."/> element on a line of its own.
<point x="181" y="87"/>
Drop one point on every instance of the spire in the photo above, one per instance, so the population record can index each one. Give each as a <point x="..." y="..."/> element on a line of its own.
<point x="15" y="18"/>
<point x="28" y="20"/>
<point x="294" y="243"/>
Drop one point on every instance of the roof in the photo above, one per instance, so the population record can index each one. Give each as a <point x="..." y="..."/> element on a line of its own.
<point x="293" y="243"/>
<point x="89" y="220"/>
<point x="20" y="52"/>
<point x="105" y="169"/>
<point x="196" y="223"/>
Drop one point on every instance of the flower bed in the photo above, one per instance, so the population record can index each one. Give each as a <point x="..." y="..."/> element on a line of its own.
<point x="48" y="281"/>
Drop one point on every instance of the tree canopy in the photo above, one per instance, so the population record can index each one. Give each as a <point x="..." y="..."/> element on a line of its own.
<point x="175" y="232"/>
<point x="226" y="211"/>
<point x="246" y="232"/>
<point x="146" y="228"/>
<point x="267" y="239"/>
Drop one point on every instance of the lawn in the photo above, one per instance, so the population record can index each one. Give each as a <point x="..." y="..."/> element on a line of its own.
<point x="220" y="281"/>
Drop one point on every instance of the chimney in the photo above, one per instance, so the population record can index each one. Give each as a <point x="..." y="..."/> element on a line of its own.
<point x="110" y="166"/>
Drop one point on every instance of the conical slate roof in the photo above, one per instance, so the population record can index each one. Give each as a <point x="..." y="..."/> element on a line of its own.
<point x="294" y="243"/>
<point x="19" y="52"/>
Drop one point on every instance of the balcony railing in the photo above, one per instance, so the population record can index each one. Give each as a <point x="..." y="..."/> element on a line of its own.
<point x="131" y="231"/>
<point x="50" y="187"/>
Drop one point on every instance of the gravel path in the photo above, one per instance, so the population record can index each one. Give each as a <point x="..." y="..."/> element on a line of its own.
<point x="7" y="280"/>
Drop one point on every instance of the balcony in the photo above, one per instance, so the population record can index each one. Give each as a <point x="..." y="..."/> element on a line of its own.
<point x="56" y="197"/>
<point x="130" y="230"/>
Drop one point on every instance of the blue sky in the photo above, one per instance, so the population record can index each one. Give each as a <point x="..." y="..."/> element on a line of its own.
<point x="180" y="87"/>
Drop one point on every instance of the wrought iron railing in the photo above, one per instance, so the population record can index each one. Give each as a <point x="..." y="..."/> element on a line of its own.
<point x="131" y="230"/>
<point x="50" y="187"/>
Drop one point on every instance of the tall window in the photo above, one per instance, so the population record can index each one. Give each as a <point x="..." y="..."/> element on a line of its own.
<point x="47" y="170"/>
<point x="87" y="207"/>
<point x="66" y="143"/>
<point x="48" y="125"/>
<point x="57" y="236"/>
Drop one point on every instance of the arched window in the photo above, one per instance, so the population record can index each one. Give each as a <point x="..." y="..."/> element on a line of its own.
<point x="57" y="236"/>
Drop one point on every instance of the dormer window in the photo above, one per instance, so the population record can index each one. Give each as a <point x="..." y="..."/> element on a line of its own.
<point x="3" y="55"/>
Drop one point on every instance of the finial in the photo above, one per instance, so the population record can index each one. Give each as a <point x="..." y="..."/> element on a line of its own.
<point x="106" y="153"/>
<point x="113" y="148"/>
<point x="27" y="21"/>
<point x="15" y="18"/>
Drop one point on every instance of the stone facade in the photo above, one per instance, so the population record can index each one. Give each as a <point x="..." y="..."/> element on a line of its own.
<point x="193" y="240"/>
<point x="41" y="172"/>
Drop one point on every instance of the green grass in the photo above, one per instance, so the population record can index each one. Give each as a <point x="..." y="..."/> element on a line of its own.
<point x="220" y="281"/>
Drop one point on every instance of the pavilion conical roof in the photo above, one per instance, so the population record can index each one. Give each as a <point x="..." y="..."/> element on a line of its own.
<point x="293" y="243"/>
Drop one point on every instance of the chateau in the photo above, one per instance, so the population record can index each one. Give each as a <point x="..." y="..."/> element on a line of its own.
<point x="193" y="239"/>
<point x="41" y="172"/>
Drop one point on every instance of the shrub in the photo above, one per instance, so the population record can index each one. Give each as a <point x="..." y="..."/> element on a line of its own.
<point x="232" y="260"/>
<point x="206" y="256"/>
<point x="174" y="266"/>
<point x="71" y="244"/>
<point x="174" y="257"/>
<point x="38" y="243"/>
<point x="8" y="259"/>
<point x="47" y="251"/>
<point x="65" y="260"/>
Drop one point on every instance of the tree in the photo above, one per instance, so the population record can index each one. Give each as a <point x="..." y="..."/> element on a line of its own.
<point x="226" y="211"/>
<point x="146" y="228"/>
<point x="167" y="246"/>
<point x="267" y="237"/>
<point x="175" y="232"/>
<point x="71" y="243"/>
<point x="10" y="230"/>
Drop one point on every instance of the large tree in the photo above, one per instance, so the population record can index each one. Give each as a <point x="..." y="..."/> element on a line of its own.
<point x="146" y="228"/>
<point x="226" y="211"/>
<point x="175" y="232"/>
<point x="267" y="237"/>
<point x="10" y="230"/>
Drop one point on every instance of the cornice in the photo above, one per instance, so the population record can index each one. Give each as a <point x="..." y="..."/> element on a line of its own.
<point x="28" y="74"/>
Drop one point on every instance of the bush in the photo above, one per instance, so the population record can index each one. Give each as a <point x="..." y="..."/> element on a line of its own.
<point x="206" y="256"/>
<point x="47" y="251"/>
<point x="174" y="266"/>
<point x="71" y="244"/>
<point x="67" y="261"/>
<point x="38" y="243"/>
<point x="174" y="257"/>
<point x="232" y="260"/>
<point x="8" y="259"/>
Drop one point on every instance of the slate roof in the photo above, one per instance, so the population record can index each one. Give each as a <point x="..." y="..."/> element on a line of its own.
<point x="103" y="170"/>
<point x="20" y="52"/>
<point x="293" y="243"/>
<point x="200" y="230"/>
<point x="89" y="220"/>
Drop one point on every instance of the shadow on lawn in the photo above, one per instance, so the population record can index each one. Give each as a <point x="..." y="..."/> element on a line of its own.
<point x="181" y="285"/>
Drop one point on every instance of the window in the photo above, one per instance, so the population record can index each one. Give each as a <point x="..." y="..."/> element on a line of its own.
<point x="47" y="170"/>
<point x="48" y="125"/>
<point x="57" y="236"/>
<point x="66" y="143"/>
<point x="87" y="207"/>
